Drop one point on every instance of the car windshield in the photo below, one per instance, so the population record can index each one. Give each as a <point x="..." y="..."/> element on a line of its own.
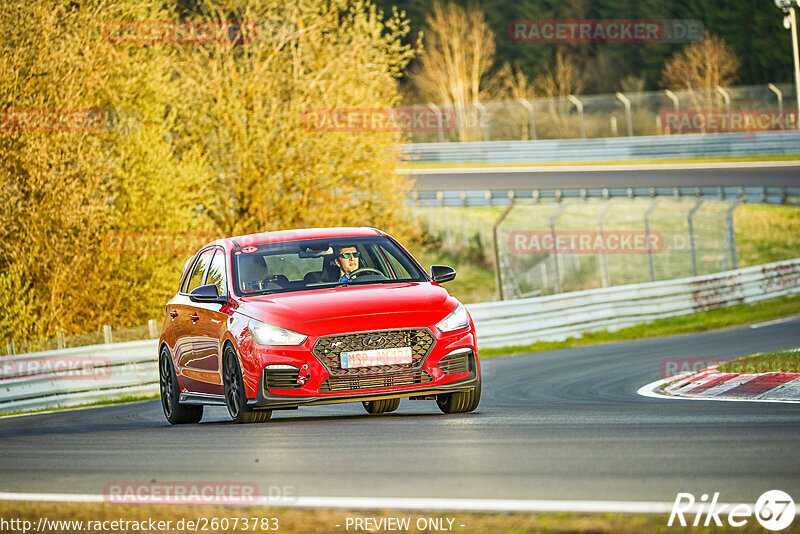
<point x="312" y="264"/>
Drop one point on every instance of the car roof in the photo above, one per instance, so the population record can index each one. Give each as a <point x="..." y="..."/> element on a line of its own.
<point x="293" y="235"/>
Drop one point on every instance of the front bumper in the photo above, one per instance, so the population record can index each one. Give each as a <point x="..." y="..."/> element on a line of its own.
<point x="452" y="366"/>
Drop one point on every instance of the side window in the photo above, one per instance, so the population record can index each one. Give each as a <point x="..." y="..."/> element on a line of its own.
<point x="198" y="271"/>
<point x="216" y="273"/>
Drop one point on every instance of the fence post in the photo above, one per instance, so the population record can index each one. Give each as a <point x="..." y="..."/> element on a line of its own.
<point x="484" y="119"/>
<point x="779" y="94"/>
<point x="107" y="334"/>
<point x="531" y="122"/>
<point x="650" y="261"/>
<point x="556" y="263"/>
<point x="497" y="265"/>
<point x="60" y="341"/>
<point x="579" y="106"/>
<point x="628" y="114"/>
<point x="438" y="112"/>
<point x="153" y="328"/>
<point x="690" y="221"/>
<point x="603" y="259"/>
<point x="726" y="97"/>
<point x="730" y="238"/>
<point x="9" y="348"/>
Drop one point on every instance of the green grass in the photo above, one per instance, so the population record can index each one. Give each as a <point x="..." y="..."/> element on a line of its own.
<point x="684" y="324"/>
<point x="785" y="361"/>
<point x="122" y="400"/>
<point x="473" y="164"/>
<point x="766" y="233"/>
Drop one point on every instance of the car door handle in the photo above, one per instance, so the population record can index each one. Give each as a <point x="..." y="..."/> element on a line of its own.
<point x="173" y="314"/>
<point x="194" y="317"/>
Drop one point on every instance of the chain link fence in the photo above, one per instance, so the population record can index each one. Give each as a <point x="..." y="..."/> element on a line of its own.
<point x="612" y="115"/>
<point x="550" y="247"/>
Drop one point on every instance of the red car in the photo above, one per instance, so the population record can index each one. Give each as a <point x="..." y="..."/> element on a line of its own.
<point x="278" y="320"/>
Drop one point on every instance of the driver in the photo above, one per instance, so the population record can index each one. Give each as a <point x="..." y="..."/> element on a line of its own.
<point x="347" y="260"/>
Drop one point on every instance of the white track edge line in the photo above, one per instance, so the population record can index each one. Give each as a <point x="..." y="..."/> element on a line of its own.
<point x="597" y="168"/>
<point x="489" y="505"/>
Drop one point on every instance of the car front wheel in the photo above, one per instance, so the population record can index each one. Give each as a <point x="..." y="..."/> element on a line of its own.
<point x="381" y="406"/>
<point x="235" y="396"/>
<point x="460" y="401"/>
<point x="175" y="412"/>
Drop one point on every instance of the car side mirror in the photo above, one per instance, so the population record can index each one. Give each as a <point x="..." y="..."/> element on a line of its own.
<point x="207" y="293"/>
<point x="442" y="273"/>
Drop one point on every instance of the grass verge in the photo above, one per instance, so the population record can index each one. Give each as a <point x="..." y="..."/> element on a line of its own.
<point x="323" y="521"/>
<point x="784" y="361"/>
<point x="684" y="324"/>
<point x="121" y="400"/>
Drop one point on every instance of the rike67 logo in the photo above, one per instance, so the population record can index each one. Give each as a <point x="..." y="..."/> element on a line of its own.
<point x="774" y="510"/>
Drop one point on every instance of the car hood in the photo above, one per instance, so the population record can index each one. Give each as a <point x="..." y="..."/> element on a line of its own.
<point x="353" y="308"/>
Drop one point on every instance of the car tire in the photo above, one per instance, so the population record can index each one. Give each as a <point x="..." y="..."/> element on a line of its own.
<point x="175" y="412"/>
<point x="235" y="396"/>
<point x="381" y="406"/>
<point x="460" y="401"/>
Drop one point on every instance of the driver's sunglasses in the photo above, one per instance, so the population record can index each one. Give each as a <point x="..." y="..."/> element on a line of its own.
<point x="348" y="255"/>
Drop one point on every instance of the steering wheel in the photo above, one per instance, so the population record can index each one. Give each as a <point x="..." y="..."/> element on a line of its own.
<point x="364" y="270"/>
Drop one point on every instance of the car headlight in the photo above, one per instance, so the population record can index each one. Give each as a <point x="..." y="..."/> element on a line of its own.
<point x="267" y="334"/>
<point x="458" y="318"/>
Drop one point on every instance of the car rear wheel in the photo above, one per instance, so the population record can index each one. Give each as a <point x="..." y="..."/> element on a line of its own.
<point x="235" y="396"/>
<point x="175" y="412"/>
<point x="460" y="401"/>
<point x="381" y="406"/>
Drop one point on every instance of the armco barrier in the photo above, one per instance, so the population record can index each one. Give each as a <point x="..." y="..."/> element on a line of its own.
<point x="131" y="368"/>
<point x="608" y="148"/>
<point x="127" y="369"/>
<point x="557" y="317"/>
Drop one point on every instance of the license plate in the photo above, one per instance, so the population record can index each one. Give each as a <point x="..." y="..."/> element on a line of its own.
<point x="371" y="358"/>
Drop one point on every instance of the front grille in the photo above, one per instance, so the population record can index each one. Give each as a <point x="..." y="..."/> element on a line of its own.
<point x="327" y="350"/>
<point x="280" y="379"/>
<point x="394" y="379"/>
<point x="452" y="364"/>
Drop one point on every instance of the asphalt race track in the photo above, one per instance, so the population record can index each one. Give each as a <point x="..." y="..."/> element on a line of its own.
<point x="782" y="174"/>
<point x="564" y="424"/>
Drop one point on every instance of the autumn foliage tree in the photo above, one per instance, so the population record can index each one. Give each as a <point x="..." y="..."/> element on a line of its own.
<point x="192" y="137"/>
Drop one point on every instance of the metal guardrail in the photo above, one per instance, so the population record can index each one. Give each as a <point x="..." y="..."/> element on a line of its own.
<point x="78" y="376"/>
<point x="503" y="197"/>
<point x="558" y="317"/>
<point x="127" y="369"/>
<point x="608" y="148"/>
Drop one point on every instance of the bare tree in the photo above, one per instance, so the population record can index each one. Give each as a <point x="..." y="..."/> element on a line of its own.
<point x="564" y="78"/>
<point x="700" y="68"/>
<point x="459" y="49"/>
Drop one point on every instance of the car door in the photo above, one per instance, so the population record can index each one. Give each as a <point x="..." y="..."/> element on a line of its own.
<point x="210" y="327"/>
<point x="194" y="375"/>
